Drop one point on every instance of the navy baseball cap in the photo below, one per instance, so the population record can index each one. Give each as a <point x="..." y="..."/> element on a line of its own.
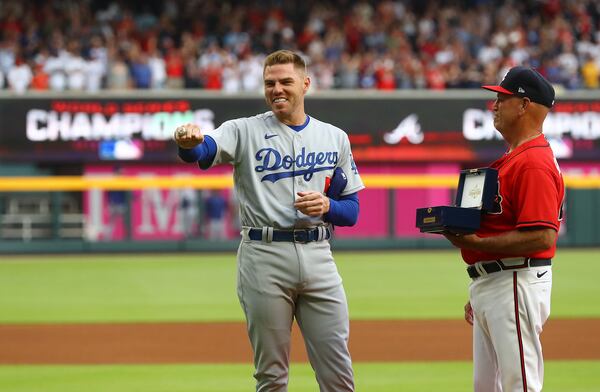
<point x="526" y="82"/>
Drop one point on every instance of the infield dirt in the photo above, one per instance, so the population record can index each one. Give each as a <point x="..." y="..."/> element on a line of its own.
<point x="398" y="340"/>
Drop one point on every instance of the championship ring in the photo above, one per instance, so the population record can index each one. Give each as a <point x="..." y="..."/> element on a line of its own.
<point x="181" y="131"/>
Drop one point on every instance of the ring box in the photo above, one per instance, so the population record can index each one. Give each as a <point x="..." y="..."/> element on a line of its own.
<point x="476" y="193"/>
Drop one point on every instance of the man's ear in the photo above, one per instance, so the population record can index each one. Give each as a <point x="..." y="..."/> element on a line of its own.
<point x="523" y="108"/>
<point x="306" y="84"/>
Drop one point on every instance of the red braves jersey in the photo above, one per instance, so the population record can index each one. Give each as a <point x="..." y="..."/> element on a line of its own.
<point x="530" y="194"/>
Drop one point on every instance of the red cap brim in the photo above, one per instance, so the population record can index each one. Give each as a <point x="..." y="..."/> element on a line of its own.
<point x="498" y="89"/>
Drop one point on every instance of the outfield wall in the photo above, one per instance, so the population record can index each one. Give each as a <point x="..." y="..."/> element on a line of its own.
<point x="153" y="222"/>
<point x="403" y="133"/>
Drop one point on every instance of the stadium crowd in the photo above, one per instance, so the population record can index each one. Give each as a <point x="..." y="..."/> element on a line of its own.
<point x="219" y="45"/>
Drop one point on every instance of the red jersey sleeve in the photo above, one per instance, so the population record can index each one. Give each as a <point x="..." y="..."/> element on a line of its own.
<point x="538" y="199"/>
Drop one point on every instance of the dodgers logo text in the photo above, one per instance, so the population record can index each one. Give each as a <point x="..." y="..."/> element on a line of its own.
<point x="306" y="164"/>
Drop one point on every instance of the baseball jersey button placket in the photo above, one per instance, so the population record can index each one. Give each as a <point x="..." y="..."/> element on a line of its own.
<point x="297" y="149"/>
<point x="295" y="183"/>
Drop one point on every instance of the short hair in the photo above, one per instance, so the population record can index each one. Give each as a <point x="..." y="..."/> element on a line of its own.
<point x="285" y="57"/>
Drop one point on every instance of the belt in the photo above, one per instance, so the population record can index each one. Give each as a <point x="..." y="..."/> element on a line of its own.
<point x="269" y="234"/>
<point x="500" y="265"/>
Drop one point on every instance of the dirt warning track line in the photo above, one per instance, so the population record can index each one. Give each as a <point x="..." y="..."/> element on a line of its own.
<point x="389" y="340"/>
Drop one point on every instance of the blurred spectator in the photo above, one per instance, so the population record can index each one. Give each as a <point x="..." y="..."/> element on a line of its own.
<point x="215" y="207"/>
<point x="118" y="73"/>
<point x="569" y="65"/>
<point x="175" y="68"/>
<point x="435" y="78"/>
<point x="141" y="73"/>
<point x="157" y="69"/>
<point x="251" y="70"/>
<point x="7" y="55"/>
<point x="192" y="74"/>
<point x="384" y="74"/>
<point x="94" y="71"/>
<point x="117" y="207"/>
<point x="97" y="51"/>
<point x="189" y="212"/>
<point x="231" y="76"/>
<point x="591" y="73"/>
<point x="75" y="67"/>
<point x="40" y="79"/>
<point x="383" y="44"/>
<point x="489" y="53"/>
<point x="211" y="63"/>
<point x="55" y="69"/>
<point x="348" y="71"/>
<point x="19" y="76"/>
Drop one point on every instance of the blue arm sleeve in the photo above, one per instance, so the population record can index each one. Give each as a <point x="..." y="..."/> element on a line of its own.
<point x="343" y="212"/>
<point x="203" y="153"/>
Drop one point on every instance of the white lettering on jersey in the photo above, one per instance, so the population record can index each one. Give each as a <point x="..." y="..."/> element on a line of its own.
<point x="271" y="160"/>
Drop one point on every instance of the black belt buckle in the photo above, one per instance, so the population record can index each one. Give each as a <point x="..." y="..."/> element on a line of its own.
<point x="301" y="236"/>
<point x="505" y="267"/>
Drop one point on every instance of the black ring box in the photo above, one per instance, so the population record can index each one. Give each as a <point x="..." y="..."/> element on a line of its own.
<point x="476" y="193"/>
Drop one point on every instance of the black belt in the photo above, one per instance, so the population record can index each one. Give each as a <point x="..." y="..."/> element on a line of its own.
<point x="296" y="235"/>
<point x="498" y="265"/>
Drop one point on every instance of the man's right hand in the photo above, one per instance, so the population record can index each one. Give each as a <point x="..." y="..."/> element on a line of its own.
<point x="188" y="136"/>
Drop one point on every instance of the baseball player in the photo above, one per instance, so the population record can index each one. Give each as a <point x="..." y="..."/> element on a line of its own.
<point x="509" y="257"/>
<point x="283" y="162"/>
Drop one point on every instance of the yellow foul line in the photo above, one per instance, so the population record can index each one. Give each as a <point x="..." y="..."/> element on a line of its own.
<point x="74" y="183"/>
<point x="381" y="181"/>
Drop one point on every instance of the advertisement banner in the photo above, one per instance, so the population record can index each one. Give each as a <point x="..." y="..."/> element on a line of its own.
<point x="174" y="214"/>
<point x="159" y="214"/>
<point x="381" y="128"/>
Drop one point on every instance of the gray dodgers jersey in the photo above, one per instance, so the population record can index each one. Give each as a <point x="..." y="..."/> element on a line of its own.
<point x="272" y="162"/>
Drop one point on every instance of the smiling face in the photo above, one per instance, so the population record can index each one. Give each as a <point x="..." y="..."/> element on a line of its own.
<point x="285" y="87"/>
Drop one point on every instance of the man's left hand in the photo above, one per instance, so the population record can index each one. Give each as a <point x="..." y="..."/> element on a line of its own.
<point x="469" y="313"/>
<point x="312" y="203"/>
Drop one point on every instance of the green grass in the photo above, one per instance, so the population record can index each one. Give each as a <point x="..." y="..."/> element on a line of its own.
<point x="380" y="285"/>
<point x="571" y="376"/>
<point x="575" y="288"/>
<point x="201" y="287"/>
<point x="92" y="288"/>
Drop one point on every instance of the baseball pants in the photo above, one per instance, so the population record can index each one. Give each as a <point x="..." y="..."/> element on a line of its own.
<point x="510" y="308"/>
<point x="280" y="281"/>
